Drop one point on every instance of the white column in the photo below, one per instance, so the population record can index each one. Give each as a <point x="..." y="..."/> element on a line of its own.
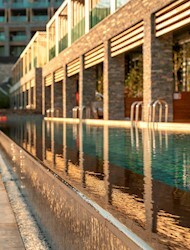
<point x="87" y="19"/>
<point x="81" y="77"/>
<point x="70" y="20"/>
<point x="112" y="6"/>
<point x="56" y="36"/>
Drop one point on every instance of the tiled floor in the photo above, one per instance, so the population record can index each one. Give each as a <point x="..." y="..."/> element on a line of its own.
<point x="9" y="233"/>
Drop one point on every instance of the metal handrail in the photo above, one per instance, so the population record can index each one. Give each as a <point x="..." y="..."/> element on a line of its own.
<point x="161" y="103"/>
<point x="150" y="111"/>
<point x="135" y="105"/>
<point x="52" y="112"/>
<point x="139" y="104"/>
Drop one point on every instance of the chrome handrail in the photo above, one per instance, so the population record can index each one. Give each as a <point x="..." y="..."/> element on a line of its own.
<point x="135" y="106"/>
<point x="161" y="103"/>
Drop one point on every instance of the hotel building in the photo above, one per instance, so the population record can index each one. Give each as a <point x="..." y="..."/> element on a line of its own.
<point x="19" y="20"/>
<point x="126" y="50"/>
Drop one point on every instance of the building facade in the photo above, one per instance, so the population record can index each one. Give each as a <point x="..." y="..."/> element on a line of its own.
<point x="124" y="50"/>
<point x="27" y="75"/>
<point x="19" y="20"/>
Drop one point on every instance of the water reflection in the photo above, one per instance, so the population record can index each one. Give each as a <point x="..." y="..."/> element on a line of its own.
<point x="142" y="177"/>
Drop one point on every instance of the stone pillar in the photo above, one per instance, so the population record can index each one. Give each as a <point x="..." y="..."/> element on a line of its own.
<point x="70" y="95"/>
<point x="21" y="98"/>
<point x="29" y="96"/>
<point x="38" y="90"/>
<point x="114" y="74"/>
<point x="89" y="86"/>
<point x="81" y="81"/>
<point x="52" y="93"/>
<point x="43" y="96"/>
<point x="58" y="97"/>
<point x="47" y="98"/>
<point x="64" y="91"/>
<point x="157" y="67"/>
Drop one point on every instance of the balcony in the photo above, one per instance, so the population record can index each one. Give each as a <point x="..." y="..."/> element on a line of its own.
<point x="40" y="18"/>
<point x="2" y="19"/>
<point x="18" y="19"/>
<point x="39" y="4"/>
<point x="78" y="30"/>
<point x="97" y="15"/>
<point x="18" y="38"/>
<point x="57" y="4"/>
<point x="52" y="53"/>
<point x="27" y="4"/>
<point x="2" y="4"/>
<point x="2" y="37"/>
<point x="63" y="43"/>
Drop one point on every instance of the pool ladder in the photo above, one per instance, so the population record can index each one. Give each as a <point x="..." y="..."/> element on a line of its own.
<point x="152" y="111"/>
<point x="53" y="112"/>
<point x="135" y="111"/>
<point x="152" y="107"/>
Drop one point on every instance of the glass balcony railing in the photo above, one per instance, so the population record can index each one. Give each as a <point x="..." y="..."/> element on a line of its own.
<point x="57" y="3"/>
<point x="29" y="4"/>
<point x="18" y="19"/>
<point x="35" y="62"/>
<point x="52" y="53"/>
<point x="2" y="19"/>
<point x="97" y="15"/>
<point x="18" y="38"/>
<point x="2" y="4"/>
<point x="39" y="18"/>
<point x="2" y="38"/>
<point x="78" y="30"/>
<point x="40" y="4"/>
<point x="63" y="43"/>
<point x="120" y="3"/>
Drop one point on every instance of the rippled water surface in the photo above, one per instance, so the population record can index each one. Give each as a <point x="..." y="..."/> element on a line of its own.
<point x="142" y="177"/>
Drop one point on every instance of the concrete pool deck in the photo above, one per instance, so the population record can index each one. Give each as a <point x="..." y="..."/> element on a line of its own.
<point x="10" y="237"/>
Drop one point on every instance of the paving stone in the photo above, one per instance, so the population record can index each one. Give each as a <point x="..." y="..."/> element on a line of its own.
<point x="9" y="233"/>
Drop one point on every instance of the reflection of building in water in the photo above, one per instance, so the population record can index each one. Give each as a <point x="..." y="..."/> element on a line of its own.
<point x="130" y="185"/>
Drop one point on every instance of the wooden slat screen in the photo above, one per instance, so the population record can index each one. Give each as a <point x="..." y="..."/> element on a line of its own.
<point x="73" y="67"/>
<point x="94" y="56"/>
<point x="59" y="75"/>
<point x="128" y="39"/>
<point x="172" y="17"/>
<point x="48" y="80"/>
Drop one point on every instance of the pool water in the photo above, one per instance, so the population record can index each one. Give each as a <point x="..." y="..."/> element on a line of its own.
<point x="140" y="176"/>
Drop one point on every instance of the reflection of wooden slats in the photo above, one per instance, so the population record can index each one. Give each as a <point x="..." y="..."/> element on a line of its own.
<point x="94" y="56"/>
<point x="73" y="67"/>
<point x="48" y="80"/>
<point x="172" y="17"/>
<point x="59" y="75"/>
<point x="127" y="40"/>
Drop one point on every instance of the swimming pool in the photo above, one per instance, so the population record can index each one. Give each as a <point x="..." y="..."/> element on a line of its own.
<point x="141" y="176"/>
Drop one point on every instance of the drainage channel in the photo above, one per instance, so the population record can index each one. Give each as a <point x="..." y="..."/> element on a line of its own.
<point x="67" y="218"/>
